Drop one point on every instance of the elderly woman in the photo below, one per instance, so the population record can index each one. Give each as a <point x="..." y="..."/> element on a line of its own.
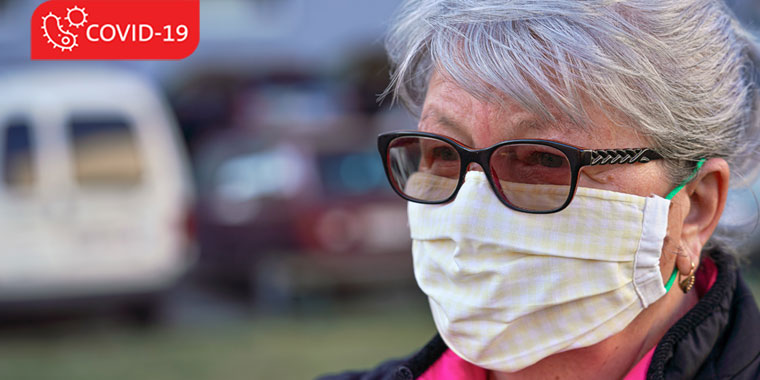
<point x="566" y="185"/>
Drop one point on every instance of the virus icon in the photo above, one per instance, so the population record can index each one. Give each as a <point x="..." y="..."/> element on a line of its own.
<point x="56" y="35"/>
<point x="76" y="13"/>
<point x="60" y="37"/>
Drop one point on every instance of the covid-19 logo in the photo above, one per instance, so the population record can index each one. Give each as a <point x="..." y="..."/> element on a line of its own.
<point x="115" y="29"/>
<point x="59" y="34"/>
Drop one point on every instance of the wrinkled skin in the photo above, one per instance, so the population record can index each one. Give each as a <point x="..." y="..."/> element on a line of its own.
<point x="450" y="111"/>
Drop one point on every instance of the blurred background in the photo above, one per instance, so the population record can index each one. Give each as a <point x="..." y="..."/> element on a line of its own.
<point x="223" y="216"/>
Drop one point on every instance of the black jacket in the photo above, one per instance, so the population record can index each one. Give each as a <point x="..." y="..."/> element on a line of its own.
<point x="718" y="339"/>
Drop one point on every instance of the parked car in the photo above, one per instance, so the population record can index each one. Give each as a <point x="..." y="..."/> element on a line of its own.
<point x="282" y="213"/>
<point x="95" y="193"/>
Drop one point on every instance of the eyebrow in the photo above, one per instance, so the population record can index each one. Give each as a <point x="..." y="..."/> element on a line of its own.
<point x="444" y="120"/>
<point x="529" y="122"/>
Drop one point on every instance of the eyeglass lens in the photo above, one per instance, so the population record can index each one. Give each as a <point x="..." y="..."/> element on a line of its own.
<point x="532" y="177"/>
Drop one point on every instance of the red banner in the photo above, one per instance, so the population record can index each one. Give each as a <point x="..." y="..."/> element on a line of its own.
<point x="115" y="29"/>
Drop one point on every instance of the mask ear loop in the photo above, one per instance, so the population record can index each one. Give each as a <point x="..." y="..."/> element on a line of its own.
<point x="687" y="180"/>
<point x="671" y="280"/>
<point x="669" y="197"/>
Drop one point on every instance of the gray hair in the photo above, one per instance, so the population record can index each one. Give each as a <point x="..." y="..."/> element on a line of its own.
<point x="683" y="73"/>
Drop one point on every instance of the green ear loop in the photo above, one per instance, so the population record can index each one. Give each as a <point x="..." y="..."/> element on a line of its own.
<point x="670" y="196"/>
<point x="672" y="280"/>
<point x="687" y="180"/>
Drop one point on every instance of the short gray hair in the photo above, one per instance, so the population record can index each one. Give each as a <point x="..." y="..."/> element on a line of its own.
<point x="683" y="73"/>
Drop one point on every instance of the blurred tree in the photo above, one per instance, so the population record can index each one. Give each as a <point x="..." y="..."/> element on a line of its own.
<point x="748" y="11"/>
<point x="369" y="72"/>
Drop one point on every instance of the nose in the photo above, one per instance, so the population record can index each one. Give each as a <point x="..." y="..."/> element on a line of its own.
<point x="474" y="166"/>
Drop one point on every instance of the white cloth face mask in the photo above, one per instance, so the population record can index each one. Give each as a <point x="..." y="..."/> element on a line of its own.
<point x="508" y="289"/>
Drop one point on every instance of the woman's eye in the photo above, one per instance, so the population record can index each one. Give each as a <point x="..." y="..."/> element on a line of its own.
<point x="445" y="153"/>
<point x="547" y="159"/>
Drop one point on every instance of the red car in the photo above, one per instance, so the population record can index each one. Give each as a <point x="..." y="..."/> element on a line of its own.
<point x="290" y="215"/>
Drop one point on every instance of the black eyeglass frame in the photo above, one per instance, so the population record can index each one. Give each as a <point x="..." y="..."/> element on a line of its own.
<point x="576" y="157"/>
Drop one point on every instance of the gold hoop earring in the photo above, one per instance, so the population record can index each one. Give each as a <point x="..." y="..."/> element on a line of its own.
<point x="687" y="283"/>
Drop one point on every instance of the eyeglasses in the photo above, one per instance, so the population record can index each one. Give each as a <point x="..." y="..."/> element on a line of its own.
<point x="533" y="176"/>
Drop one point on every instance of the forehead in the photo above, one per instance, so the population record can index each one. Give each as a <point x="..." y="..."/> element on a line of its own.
<point x="451" y="111"/>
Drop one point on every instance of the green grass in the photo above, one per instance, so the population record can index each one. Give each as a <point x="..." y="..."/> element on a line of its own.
<point x="259" y="348"/>
<point x="264" y="347"/>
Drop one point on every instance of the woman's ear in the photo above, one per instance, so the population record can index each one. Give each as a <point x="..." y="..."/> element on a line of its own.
<point x="706" y="195"/>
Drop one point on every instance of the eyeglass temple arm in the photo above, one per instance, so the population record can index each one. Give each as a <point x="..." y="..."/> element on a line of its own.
<point x="618" y="156"/>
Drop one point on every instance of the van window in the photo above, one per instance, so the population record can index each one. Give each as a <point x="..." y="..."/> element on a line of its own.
<point x="18" y="156"/>
<point x="105" y="152"/>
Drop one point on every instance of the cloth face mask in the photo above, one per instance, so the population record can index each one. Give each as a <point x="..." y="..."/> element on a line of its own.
<point x="508" y="289"/>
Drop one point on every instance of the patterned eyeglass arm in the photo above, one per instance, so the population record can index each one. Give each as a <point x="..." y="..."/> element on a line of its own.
<point x="618" y="156"/>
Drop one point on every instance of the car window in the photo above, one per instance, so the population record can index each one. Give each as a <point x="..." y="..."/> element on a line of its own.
<point x="352" y="173"/>
<point x="105" y="152"/>
<point x="18" y="156"/>
<point x="277" y="172"/>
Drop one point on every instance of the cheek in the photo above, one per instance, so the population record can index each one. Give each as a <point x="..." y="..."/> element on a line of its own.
<point x="672" y="244"/>
<point x="668" y="257"/>
<point x="640" y="179"/>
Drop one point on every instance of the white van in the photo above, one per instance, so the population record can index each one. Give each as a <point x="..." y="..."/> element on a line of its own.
<point x="95" y="194"/>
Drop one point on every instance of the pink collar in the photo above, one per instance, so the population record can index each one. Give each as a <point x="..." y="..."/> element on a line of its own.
<point x="705" y="278"/>
<point x="451" y="367"/>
